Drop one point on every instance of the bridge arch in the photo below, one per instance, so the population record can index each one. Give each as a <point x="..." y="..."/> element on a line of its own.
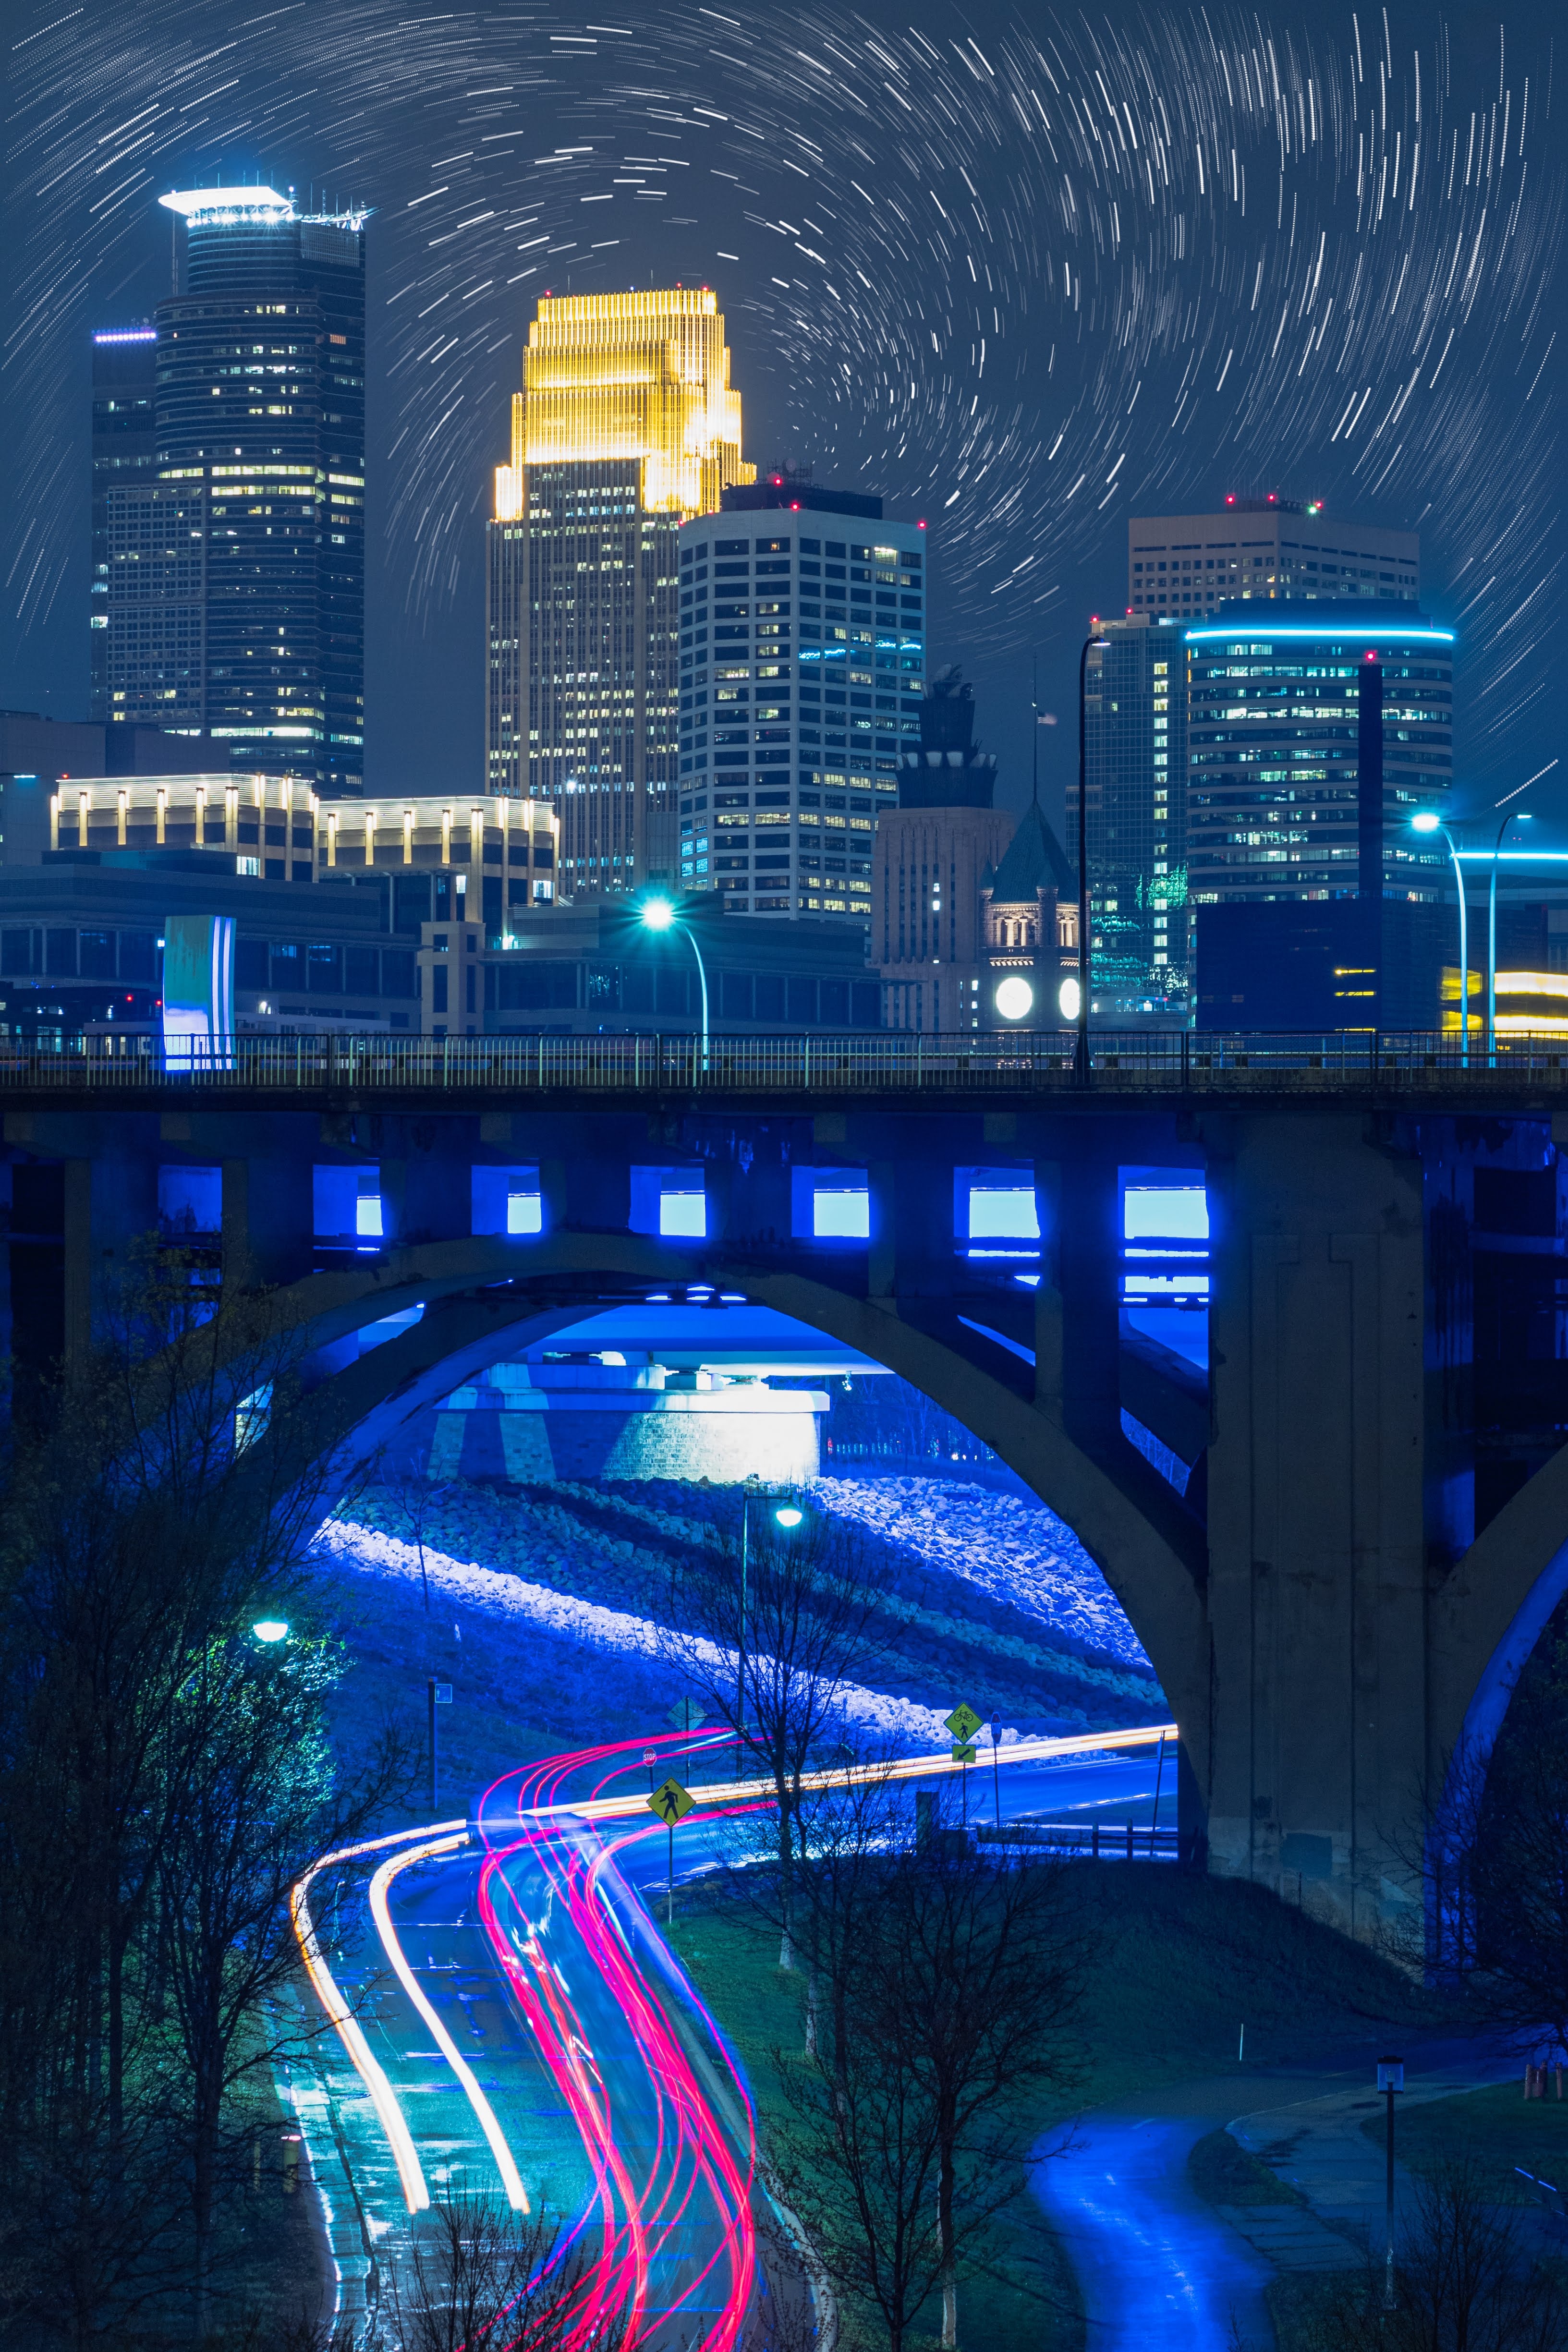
<point x="1488" y="1613"/>
<point x="484" y="1297"/>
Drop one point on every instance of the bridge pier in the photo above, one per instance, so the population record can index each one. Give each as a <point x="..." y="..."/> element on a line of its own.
<point x="1316" y="1557"/>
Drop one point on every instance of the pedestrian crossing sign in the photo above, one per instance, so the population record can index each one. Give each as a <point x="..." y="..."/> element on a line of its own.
<point x="671" y="1802"/>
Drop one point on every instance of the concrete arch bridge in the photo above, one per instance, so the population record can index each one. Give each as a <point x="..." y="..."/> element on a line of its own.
<point x="1337" y="1540"/>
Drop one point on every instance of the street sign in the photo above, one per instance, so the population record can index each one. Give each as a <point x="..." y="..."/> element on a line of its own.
<point x="671" y="1802"/>
<point x="443" y="1694"/>
<point x="686" y="1715"/>
<point x="963" y="1723"/>
<point x="963" y="1753"/>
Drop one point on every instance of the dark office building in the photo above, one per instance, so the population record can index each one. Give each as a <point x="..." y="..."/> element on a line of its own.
<point x="124" y="370"/>
<point x="236" y="603"/>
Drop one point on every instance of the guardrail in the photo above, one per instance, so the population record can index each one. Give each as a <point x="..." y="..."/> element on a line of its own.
<point x="856" y="1062"/>
<point x="1088" y="1840"/>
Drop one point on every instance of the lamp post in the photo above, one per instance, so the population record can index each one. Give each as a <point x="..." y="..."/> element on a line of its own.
<point x="789" y="1517"/>
<point x="1428" y="821"/>
<point x="1390" y="2078"/>
<point x="1524" y="817"/>
<point x="658" y="915"/>
<point x="1081" y="1061"/>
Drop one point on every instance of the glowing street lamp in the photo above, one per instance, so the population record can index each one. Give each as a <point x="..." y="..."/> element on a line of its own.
<point x="1428" y="821"/>
<point x="658" y="915"/>
<point x="271" y="1629"/>
<point x="788" y="1516"/>
<point x="1524" y="817"/>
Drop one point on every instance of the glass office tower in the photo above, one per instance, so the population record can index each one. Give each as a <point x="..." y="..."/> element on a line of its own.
<point x="625" y="425"/>
<point x="1135" y="711"/>
<point x="1314" y="732"/>
<point x="124" y="457"/>
<point x="237" y="574"/>
<point x="803" y="635"/>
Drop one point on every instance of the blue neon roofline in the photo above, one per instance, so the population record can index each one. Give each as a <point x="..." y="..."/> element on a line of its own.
<point x="1331" y="629"/>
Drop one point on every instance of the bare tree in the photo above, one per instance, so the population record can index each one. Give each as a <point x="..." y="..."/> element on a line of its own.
<point x="160" y="1501"/>
<point x="953" y="1986"/>
<point x="1468" y="2278"/>
<point x="264" y="1800"/>
<point x="767" y="1624"/>
<point x="479" y="2278"/>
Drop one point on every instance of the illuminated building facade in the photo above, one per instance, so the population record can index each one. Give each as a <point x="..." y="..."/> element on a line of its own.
<point x="124" y="457"/>
<point x="235" y="572"/>
<point x="1135" y="708"/>
<point x="626" y="423"/>
<point x="1313" y="734"/>
<point x="802" y="620"/>
<point x="1182" y="567"/>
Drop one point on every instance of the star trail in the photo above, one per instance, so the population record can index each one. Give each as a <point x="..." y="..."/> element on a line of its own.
<point x="1023" y="273"/>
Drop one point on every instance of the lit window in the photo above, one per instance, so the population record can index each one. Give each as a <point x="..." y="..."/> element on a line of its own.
<point x="523" y="1213"/>
<point x="683" y="1216"/>
<point x="840" y="1215"/>
<point x="996" y="1215"/>
<point x="1166" y="1211"/>
<point x="367" y="1216"/>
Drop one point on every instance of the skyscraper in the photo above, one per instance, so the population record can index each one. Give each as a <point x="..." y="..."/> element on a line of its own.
<point x="1135" y="709"/>
<point x="1313" y="735"/>
<point x="236" y="573"/>
<point x="802" y="619"/>
<point x="625" y="425"/>
<point x="1182" y="566"/>
<point x="124" y="455"/>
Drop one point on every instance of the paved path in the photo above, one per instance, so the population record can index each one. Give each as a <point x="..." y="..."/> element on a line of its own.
<point x="1155" y="2263"/>
<point x="1157" y="2266"/>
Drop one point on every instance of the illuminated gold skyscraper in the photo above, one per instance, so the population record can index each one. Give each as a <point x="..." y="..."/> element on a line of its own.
<point x="625" y="425"/>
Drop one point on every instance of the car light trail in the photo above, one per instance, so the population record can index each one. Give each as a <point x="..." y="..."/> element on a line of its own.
<point x="410" y="2172"/>
<point x="692" y="2168"/>
<point x="695" y="2169"/>
<point x="517" y="2195"/>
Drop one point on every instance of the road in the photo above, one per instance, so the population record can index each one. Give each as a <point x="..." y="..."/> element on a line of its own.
<point x="513" y="2025"/>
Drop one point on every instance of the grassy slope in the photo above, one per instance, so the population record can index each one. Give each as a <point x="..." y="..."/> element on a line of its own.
<point x="1182" y="1962"/>
<point x="1499" y="2125"/>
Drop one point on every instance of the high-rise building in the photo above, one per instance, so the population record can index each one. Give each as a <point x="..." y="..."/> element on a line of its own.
<point x="1135" y="709"/>
<point x="625" y="425"/>
<point x="803" y="619"/>
<point x="1182" y="567"/>
<point x="124" y="455"/>
<point x="236" y="573"/>
<point x="1314" y="732"/>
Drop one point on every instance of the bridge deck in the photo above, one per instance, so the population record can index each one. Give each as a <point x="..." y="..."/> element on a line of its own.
<point x="1382" y="1068"/>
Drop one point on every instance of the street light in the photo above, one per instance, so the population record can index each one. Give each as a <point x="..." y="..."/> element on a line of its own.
<point x="658" y="915"/>
<point x="1084" y="977"/>
<point x="1428" y="821"/>
<point x="271" y="1629"/>
<point x="1524" y="817"/>
<point x="788" y="1516"/>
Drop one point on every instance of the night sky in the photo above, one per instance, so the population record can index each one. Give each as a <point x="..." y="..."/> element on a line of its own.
<point x="1025" y="272"/>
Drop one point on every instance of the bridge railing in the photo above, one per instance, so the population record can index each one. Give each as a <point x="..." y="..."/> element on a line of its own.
<point x="855" y="1063"/>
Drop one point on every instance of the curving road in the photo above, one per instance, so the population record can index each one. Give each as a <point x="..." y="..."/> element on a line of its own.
<point x="516" y="2025"/>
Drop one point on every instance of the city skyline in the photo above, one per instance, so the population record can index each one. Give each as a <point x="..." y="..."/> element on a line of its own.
<point x="1047" y="406"/>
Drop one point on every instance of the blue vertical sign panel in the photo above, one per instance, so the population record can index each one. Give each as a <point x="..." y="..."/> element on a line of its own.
<point x="198" y="992"/>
